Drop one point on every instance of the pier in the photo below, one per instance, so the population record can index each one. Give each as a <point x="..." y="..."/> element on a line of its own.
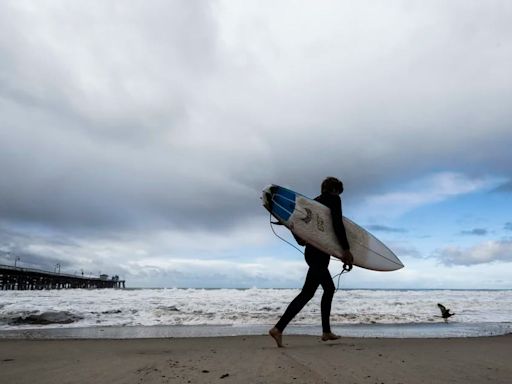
<point x="16" y="278"/>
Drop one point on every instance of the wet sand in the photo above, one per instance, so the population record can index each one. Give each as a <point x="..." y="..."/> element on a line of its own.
<point x="255" y="359"/>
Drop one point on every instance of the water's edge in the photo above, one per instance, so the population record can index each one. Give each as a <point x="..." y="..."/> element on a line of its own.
<point x="438" y="330"/>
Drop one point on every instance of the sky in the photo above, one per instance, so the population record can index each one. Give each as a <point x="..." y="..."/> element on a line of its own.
<point x="136" y="137"/>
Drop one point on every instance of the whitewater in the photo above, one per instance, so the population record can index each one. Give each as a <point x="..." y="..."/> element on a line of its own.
<point x="402" y="313"/>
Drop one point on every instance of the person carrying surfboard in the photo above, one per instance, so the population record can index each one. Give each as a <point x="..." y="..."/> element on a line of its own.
<point x="318" y="262"/>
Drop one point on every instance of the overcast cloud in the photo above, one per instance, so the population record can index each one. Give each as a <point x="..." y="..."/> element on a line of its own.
<point x="482" y="253"/>
<point x="135" y="136"/>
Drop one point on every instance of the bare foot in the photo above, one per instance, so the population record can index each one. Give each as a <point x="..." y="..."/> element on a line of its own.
<point x="277" y="336"/>
<point x="329" y="336"/>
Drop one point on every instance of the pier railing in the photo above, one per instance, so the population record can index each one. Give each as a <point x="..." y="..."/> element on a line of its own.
<point x="17" y="278"/>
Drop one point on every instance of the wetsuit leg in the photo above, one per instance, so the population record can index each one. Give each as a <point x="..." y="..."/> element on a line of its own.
<point x="308" y="291"/>
<point x="325" y="304"/>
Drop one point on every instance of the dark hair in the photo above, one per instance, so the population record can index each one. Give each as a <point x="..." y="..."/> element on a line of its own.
<point x="332" y="184"/>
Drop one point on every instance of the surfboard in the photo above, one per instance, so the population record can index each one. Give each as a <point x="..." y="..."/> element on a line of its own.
<point x="312" y="222"/>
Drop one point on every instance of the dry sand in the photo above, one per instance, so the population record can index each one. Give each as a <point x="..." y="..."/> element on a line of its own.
<point x="255" y="359"/>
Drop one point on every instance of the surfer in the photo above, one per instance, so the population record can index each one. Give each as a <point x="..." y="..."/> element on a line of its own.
<point x="318" y="262"/>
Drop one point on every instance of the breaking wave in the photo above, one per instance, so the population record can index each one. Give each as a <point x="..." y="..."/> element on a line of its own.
<point x="150" y="307"/>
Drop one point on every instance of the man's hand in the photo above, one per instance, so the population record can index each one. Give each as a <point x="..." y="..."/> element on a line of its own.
<point x="347" y="259"/>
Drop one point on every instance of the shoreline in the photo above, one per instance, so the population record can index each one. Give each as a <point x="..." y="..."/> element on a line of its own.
<point x="256" y="359"/>
<point x="403" y="331"/>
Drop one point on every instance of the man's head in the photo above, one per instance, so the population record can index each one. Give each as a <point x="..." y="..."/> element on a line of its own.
<point x="332" y="185"/>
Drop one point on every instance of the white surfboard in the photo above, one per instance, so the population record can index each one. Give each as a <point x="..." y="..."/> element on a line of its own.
<point x="312" y="222"/>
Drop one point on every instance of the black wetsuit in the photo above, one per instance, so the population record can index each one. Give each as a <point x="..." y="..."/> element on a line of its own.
<point x="318" y="273"/>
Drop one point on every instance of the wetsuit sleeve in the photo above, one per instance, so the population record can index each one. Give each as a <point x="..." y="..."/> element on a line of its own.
<point x="337" y="221"/>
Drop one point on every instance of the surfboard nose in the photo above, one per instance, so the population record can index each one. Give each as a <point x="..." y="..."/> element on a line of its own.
<point x="266" y="196"/>
<point x="395" y="263"/>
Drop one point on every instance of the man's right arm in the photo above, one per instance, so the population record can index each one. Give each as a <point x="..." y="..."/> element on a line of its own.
<point x="339" y="230"/>
<point x="337" y="222"/>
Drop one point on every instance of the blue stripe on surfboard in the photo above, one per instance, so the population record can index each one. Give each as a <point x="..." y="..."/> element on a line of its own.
<point x="284" y="203"/>
<point x="282" y="208"/>
<point x="284" y="199"/>
<point x="280" y="213"/>
<point x="286" y="193"/>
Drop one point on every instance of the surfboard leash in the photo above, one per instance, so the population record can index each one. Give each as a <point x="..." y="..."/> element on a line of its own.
<point x="279" y="237"/>
<point x="338" y="275"/>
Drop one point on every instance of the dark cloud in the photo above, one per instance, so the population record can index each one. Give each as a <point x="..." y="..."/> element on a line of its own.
<point x="384" y="228"/>
<point x="44" y="250"/>
<point x="504" y="188"/>
<point x="142" y="119"/>
<point x="31" y="260"/>
<point x="508" y="226"/>
<point x="476" y="232"/>
<point x="120" y="155"/>
<point x="31" y="250"/>
<point x="155" y="127"/>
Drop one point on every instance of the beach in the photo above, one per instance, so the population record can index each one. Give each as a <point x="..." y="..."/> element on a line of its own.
<point x="219" y="335"/>
<point x="256" y="359"/>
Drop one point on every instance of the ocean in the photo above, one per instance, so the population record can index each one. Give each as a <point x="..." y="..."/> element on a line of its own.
<point x="132" y="313"/>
